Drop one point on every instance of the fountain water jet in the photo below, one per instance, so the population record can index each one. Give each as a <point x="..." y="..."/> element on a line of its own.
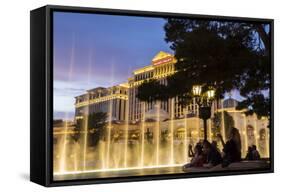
<point x="86" y="124"/>
<point x="63" y="151"/>
<point x="198" y="129"/>
<point x="245" y="134"/>
<point x="157" y="133"/>
<point x="142" y="134"/>
<point x="267" y="143"/>
<point x="172" y="131"/>
<point x="102" y="154"/>
<point x="109" y="135"/>
<point x="85" y="140"/>
<point x="110" y="120"/>
<point x="126" y="132"/>
<point x="256" y="133"/>
<point x="185" y="136"/>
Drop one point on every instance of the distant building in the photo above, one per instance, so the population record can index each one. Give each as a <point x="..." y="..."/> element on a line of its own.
<point x="230" y="103"/>
<point x="112" y="100"/>
<point x="61" y="127"/>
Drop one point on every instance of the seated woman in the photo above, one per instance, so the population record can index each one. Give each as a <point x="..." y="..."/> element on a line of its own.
<point x="213" y="156"/>
<point x="232" y="148"/>
<point x="255" y="152"/>
<point x="197" y="159"/>
<point x="249" y="155"/>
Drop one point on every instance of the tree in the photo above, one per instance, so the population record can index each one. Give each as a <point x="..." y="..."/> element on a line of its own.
<point x="226" y="55"/>
<point x="222" y="54"/>
<point x="96" y="127"/>
<point x="78" y="129"/>
<point x="96" y="124"/>
<point x="151" y="90"/>
<point x="260" y="105"/>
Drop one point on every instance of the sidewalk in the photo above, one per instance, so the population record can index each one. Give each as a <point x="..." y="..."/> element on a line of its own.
<point x="242" y="165"/>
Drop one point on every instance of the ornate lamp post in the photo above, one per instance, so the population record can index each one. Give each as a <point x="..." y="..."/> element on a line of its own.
<point x="204" y="102"/>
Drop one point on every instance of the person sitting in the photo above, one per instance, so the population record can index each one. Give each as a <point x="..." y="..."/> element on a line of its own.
<point x="197" y="159"/>
<point x="215" y="145"/>
<point x="255" y="153"/>
<point x="232" y="148"/>
<point x="190" y="151"/>
<point x="213" y="156"/>
<point x="249" y="155"/>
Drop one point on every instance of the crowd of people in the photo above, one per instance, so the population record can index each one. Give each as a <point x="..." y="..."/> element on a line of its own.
<point x="206" y="154"/>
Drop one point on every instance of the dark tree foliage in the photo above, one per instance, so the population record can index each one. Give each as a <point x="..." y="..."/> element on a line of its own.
<point x="259" y="105"/>
<point x="151" y="90"/>
<point x="96" y="125"/>
<point x="224" y="55"/>
<point x="57" y="122"/>
<point x="78" y="128"/>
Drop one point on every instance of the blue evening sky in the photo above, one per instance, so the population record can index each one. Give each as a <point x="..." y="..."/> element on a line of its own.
<point x="92" y="50"/>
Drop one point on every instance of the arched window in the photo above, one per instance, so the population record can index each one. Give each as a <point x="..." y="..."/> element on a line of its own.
<point x="251" y="135"/>
<point x="262" y="134"/>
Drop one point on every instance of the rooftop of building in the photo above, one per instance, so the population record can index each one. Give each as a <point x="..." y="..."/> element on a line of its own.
<point x="160" y="58"/>
<point x="230" y="103"/>
<point x="103" y="89"/>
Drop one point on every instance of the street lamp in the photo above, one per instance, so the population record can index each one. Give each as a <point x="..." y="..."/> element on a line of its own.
<point x="196" y="90"/>
<point x="204" y="102"/>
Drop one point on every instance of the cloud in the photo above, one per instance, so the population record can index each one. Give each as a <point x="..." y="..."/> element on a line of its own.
<point x="63" y="91"/>
<point x="63" y="115"/>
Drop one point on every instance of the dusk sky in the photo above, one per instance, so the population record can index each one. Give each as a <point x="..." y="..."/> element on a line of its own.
<point x="92" y="50"/>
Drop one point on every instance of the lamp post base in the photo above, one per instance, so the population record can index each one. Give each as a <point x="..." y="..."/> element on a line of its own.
<point x="205" y="114"/>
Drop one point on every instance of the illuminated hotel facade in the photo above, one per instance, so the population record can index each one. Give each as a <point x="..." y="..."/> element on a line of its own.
<point x="121" y="104"/>
<point x="124" y="96"/>
<point x="162" y="66"/>
<point x="112" y="100"/>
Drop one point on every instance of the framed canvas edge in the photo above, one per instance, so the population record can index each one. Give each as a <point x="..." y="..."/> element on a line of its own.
<point x="49" y="100"/>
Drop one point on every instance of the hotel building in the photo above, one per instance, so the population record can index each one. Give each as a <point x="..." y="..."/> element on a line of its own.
<point x="99" y="99"/>
<point x="161" y="66"/>
<point x="112" y="100"/>
<point x="121" y="104"/>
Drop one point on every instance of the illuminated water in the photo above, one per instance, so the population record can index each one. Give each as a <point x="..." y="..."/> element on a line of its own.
<point x="132" y="152"/>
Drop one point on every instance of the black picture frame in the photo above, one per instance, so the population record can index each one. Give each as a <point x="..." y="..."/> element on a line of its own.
<point x="41" y="99"/>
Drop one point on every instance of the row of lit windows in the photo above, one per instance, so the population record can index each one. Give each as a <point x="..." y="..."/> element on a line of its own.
<point x="118" y="108"/>
<point x="135" y="110"/>
<point x="164" y="69"/>
<point x="86" y="97"/>
<point x="143" y="76"/>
